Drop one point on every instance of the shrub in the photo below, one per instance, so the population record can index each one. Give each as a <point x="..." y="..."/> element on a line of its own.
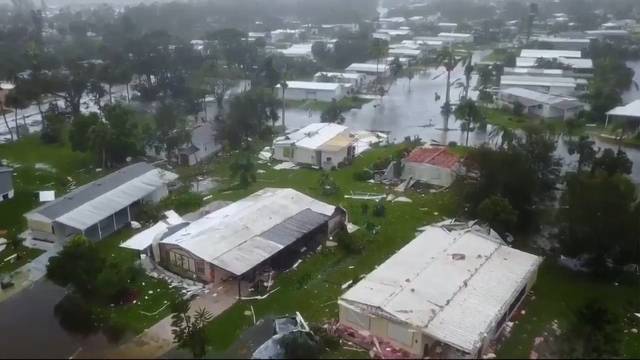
<point x="518" y="109"/>
<point x="379" y="210"/>
<point x="381" y="164"/>
<point x="351" y="244"/>
<point x="363" y="175"/>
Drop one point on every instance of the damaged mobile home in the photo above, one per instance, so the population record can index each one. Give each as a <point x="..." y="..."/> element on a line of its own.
<point x="447" y="294"/>
<point x="268" y="229"/>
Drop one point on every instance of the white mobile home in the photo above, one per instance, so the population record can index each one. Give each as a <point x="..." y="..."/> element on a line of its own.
<point x="101" y="207"/>
<point x="298" y="51"/>
<point x="550" y="54"/>
<point x="561" y="43"/>
<point x="456" y="37"/>
<point x="270" y="229"/>
<point x="629" y="113"/>
<point x="447" y="27"/>
<point x="370" y="70"/>
<point x="446" y="294"/>
<point x="322" y="145"/>
<point x="577" y="65"/>
<point x="551" y="85"/>
<point x="357" y="81"/>
<point x="541" y="105"/>
<point x="309" y="90"/>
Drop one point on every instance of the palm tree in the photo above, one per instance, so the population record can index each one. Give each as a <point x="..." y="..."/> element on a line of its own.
<point x="16" y="101"/>
<point x="284" y="86"/>
<point x="468" y="70"/>
<point x="447" y="58"/>
<point x="506" y="135"/>
<point x="379" y="49"/>
<point x="469" y="113"/>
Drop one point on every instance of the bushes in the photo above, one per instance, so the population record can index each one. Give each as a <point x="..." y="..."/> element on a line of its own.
<point x="379" y="210"/>
<point x="351" y="244"/>
<point x="363" y="175"/>
<point x="328" y="185"/>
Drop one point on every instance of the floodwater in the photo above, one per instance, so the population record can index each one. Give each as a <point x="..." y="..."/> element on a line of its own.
<point x="411" y="109"/>
<point x="29" y="328"/>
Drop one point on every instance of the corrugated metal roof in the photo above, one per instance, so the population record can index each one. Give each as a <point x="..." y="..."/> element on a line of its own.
<point x="436" y="156"/>
<point x="313" y="136"/>
<point x="231" y="237"/>
<point x="573" y="63"/>
<point x="550" y="54"/>
<point x="95" y="201"/>
<point x="537" y="97"/>
<point x="262" y="247"/>
<point x="312" y="85"/>
<point x="630" y="110"/>
<point x="368" y="68"/>
<point x="340" y="75"/>
<point x="453" y="283"/>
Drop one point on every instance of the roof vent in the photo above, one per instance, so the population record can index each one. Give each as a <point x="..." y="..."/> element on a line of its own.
<point x="458" y="257"/>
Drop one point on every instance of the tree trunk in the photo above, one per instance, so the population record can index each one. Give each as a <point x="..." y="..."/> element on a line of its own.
<point x="15" y="120"/>
<point x="104" y="157"/>
<point x="128" y="98"/>
<point x="284" y="126"/>
<point x="4" y="115"/>
<point x="24" y="121"/>
<point x="468" y="130"/>
<point x="447" y="102"/>
<point x="110" y="96"/>
<point x="204" y="107"/>
<point x="44" y="123"/>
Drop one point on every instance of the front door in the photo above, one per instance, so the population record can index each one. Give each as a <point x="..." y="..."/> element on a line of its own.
<point x="319" y="158"/>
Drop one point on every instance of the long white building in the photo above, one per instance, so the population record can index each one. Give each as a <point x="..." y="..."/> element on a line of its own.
<point x="310" y="90"/>
<point x="446" y="294"/>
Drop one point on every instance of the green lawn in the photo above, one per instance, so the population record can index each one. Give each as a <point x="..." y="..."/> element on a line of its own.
<point x="37" y="167"/>
<point x="132" y="317"/>
<point x="26" y="255"/>
<point x="558" y="293"/>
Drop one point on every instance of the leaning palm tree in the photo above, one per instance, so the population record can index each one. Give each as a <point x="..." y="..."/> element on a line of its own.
<point x="468" y="112"/>
<point x="284" y="86"/>
<point x="468" y="70"/>
<point x="449" y="60"/>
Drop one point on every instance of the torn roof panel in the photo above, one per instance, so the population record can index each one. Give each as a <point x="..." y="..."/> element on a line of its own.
<point x="436" y="156"/>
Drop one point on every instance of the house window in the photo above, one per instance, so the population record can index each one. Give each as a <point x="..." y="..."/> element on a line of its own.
<point x="200" y="267"/>
<point x="182" y="261"/>
<point x="287" y="152"/>
<point x="5" y="196"/>
<point x="328" y="159"/>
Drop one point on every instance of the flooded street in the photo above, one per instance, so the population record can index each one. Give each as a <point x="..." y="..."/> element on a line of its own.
<point x="29" y="328"/>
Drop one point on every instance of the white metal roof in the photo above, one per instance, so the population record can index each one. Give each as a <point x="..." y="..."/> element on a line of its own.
<point x="537" y="96"/>
<point x="352" y="76"/>
<point x="533" y="71"/>
<point x="144" y="238"/>
<point x="507" y="80"/>
<point x="630" y="110"/>
<point x="607" y="32"/>
<point x="452" y="299"/>
<point x="298" y="50"/>
<point x="312" y="136"/>
<point x="453" y="35"/>
<point x="405" y="52"/>
<point x="574" y="63"/>
<point x="550" y="54"/>
<point x="367" y="68"/>
<point x="117" y="199"/>
<point x="394" y="32"/>
<point x="552" y="39"/>
<point x="312" y="85"/>
<point x="233" y="238"/>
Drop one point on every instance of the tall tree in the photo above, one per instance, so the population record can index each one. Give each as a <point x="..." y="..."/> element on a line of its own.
<point x="449" y="60"/>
